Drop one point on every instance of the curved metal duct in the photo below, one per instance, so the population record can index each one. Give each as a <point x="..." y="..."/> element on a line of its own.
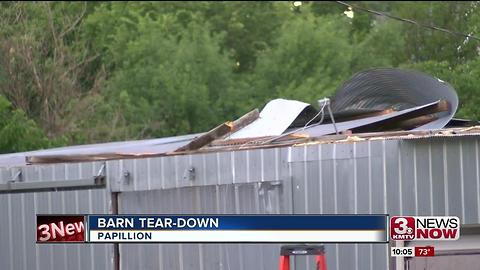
<point x="387" y="88"/>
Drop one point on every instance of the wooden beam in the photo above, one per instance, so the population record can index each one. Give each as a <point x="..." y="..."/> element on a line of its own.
<point x="342" y="117"/>
<point x="221" y="131"/>
<point x="416" y="122"/>
<point x="245" y="120"/>
<point x="207" y="138"/>
<point x="395" y="122"/>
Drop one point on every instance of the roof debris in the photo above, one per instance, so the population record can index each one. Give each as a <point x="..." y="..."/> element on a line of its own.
<point x="273" y="120"/>
<point x="374" y="104"/>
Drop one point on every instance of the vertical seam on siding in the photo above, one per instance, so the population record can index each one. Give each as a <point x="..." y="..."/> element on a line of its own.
<point x="334" y="156"/>
<point x="90" y="207"/>
<point x="305" y="179"/>
<point x="400" y="179"/>
<point x="37" y="262"/>
<point x="277" y="174"/>
<point x="415" y="180"/>
<point x="262" y="166"/>
<point x="217" y="157"/>
<point x="290" y="177"/>
<point x="149" y="175"/>
<point x="320" y="178"/>
<point x="135" y="175"/>
<point x="430" y="172"/>
<point x="49" y="202"/>
<point x="462" y="183"/>
<point x="355" y="191"/>
<point x="77" y="208"/>
<point x="384" y="167"/>
<point x="445" y="177"/>
<point x="175" y="172"/>
<point x="10" y="228"/>
<point x="247" y="153"/>
<point x="370" y="194"/>
<point x="162" y="172"/>
<point x="232" y="162"/>
<point x="62" y="198"/>
<point x="478" y="180"/>
<point x="23" y="234"/>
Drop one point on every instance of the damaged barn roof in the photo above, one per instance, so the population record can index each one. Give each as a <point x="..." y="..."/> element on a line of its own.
<point x="377" y="103"/>
<point x="386" y="88"/>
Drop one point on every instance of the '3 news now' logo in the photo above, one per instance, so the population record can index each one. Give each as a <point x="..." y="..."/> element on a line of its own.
<point x="424" y="228"/>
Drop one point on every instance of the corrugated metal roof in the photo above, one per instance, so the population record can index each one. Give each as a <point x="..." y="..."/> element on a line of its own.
<point x="102" y="150"/>
<point x="425" y="104"/>
<point x="382" y="88"/>
<point x="164" y="146"/>
<point x="320" y="130"/>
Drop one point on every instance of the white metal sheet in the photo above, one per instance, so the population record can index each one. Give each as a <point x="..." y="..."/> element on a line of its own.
<point x="274" y="119"/>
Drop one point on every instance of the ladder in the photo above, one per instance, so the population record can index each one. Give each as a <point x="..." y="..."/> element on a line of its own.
<point x="295" y="250"/>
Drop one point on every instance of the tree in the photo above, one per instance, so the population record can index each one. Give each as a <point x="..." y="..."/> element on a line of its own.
<point x="103" y="71"/>
<point x="45" y="67"/>
<point x="169" y="75"/>
<point x="17" y="132"/>
<point x="425" y="44"/>
<point x="382" y="46"/>
<point x="310" y="59"/>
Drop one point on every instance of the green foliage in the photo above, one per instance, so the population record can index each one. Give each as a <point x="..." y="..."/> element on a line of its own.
<point x="464" y="78"/>
<point x="382" y="47"/>
<point x="310" y="59"/>
<point x="169" y="76"/>
<point x="17" y="132"/>
<point x="101" y="71"/>
<point x="249" y="29"/>
<point x="46" y="69"/>
<point x="424" y="44"/>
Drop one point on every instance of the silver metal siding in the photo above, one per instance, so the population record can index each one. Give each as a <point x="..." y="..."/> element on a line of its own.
<point x="428" y="176"/>
<point x="210" y="169"/>
<point x="225" y="199"/>
<point x="18" y="218"/>
<point x="434" y="176"/>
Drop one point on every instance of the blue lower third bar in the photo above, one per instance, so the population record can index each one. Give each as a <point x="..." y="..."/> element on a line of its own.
<point x="238" y="228"/>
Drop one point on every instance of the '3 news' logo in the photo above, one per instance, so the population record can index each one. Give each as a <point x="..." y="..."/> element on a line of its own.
<point x="424" y="228"/>
<point x="402" y="228"/>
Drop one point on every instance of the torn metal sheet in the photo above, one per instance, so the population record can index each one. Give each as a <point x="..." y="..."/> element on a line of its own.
<point x="458" y="122"/>
<point x="384" y="88"/>
<point x="369" y="122"/>
<point x="97" y="151"/>
<point x="274" y="119"/>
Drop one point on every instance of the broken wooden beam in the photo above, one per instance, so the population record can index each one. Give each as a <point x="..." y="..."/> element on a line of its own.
<point x="395" y="122"/>
<point x="349" y="116"/>
<point x="207" y="138"/>
<point x="220" y="131"/>
<point x="245" y="120"/>
<point x="416" y="122"/>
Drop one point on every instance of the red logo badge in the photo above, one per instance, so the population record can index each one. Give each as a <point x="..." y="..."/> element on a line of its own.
<point x="402" y="228"/>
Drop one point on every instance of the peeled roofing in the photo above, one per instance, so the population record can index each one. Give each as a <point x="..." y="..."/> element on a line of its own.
<point x="319" y="130"/>
<point x="161" y="145"/>
<point x="406" y="89"/>
<point x="274" y="119"/>
<point x="169" y="144"/>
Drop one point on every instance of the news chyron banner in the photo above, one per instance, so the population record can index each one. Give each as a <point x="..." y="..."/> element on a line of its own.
<point x="216" y="229"/>
<point x="60" y="228"/>
<point x="427" y="228"/>
<point x="422" y="228"/>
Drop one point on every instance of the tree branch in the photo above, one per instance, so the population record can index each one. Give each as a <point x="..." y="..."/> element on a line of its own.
<point x="79" y="18"/>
